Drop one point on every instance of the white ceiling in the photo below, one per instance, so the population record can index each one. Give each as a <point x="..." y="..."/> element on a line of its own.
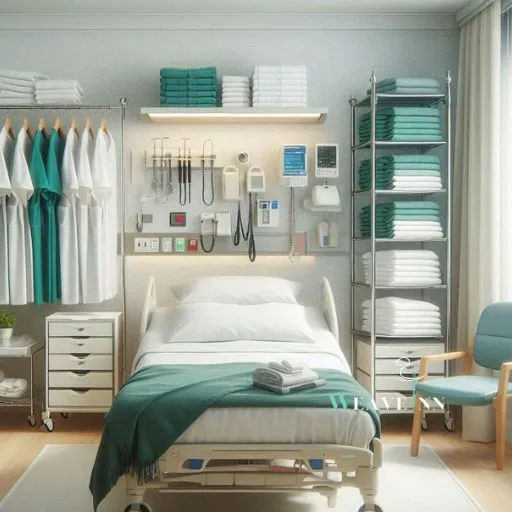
<point x="232" y="6"/>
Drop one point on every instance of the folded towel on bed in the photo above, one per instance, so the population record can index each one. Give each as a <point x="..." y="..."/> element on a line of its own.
<point x="277" y="378"/>
<point x="287" y="366"/>
<point x="284" y="390"/>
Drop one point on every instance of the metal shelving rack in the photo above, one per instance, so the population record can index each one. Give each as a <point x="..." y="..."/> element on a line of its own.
<point x="372" y="101"/>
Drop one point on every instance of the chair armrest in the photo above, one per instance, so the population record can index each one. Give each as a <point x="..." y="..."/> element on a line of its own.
<point x="448" y="356"/>
<point x="505" y="370"/>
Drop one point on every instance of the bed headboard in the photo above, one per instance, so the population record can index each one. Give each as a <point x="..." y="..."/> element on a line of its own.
<point x="327" y="305"/>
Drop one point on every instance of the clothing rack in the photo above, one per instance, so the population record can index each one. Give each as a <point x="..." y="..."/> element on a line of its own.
<point x="381" y="354"/>
<point x="121" y="108"/>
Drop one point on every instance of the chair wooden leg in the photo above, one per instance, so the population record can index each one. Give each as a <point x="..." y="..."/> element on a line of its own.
<point x="416" y="426"/>
<point x="501" y="427"/>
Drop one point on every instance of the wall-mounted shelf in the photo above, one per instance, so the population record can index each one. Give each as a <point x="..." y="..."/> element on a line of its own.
<point x="250" y="115"/>
<point x="308" y="205"/>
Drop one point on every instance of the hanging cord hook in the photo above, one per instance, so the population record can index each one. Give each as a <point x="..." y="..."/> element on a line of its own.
<point x="211" y="173"/>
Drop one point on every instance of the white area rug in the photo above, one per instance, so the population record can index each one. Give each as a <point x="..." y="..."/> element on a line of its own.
<point x="58" y="479"/>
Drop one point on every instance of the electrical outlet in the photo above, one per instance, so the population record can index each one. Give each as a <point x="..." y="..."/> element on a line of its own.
<point x="166" y="244"/>
<point x="146" y="245"/>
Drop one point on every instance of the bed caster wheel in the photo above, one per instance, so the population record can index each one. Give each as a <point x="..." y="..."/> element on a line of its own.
<point x="48" y="425"/>
<point x="65" y="415"/>
<point x="32" y="420"/>
<point x="138" y="507"/>
<point x="449" y="425"/>
<point x="365" y="508"/>
<point x="424" y="425"/>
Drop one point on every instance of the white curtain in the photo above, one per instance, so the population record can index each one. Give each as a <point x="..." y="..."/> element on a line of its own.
<point x="481" y="192"/>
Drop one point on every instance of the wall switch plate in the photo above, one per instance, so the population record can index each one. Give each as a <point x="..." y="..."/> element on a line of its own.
<point x="166" y="244"/>
<point x="149" y="244"/>
<point x="147" y="218"/>
<point x="192" y="245"/>
<point x="178" y="219"/>
<point x="179" y="245"/>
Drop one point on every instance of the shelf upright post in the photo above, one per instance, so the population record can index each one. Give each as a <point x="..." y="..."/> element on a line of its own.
<point x="352" y="229"/>
<point x="448" y="101"/>
<point x="373" y="116"/>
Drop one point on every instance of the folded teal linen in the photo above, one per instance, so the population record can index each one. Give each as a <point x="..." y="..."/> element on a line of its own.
<point x="420" y="91"/>
<point x="208" y="72"/>
<point x="414" y="158"/>
<point x="202" y="81"/>
<point x="173" y="73"/>
<point x="402" y="126"/>
<point x="409" y="82"/>
<point x="414" y="112"/>
<point x="202" y="95"/>
<point x="407" y="138"/>
<point x="174" y="89"/>
<point x="405" y="205"/>
<point x="174" y="82"/>
<point x="173" y="95"/>
<point x="173" y="103"/>
<point x="192" y="86"/>
<point x="391" y="167"/>
<point x="403" y="131"/>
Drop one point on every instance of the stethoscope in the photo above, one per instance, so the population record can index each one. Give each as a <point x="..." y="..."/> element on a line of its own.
<point x="211" y="173"/>
<point x="185" y="174"/>
<point x="248" y="235"/>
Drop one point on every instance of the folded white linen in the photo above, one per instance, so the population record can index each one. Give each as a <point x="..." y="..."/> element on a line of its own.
<point x="60" y="101"/>
<point x="401" y="304"/>
<point x="401" y="254"/>
<point x="414" y="179"/>
<point x="425" y="224"/>
<point x="12" y="384"/>
<point x="23" y="75"/>
<point x="409" y="282"/>
<point x="406" y="332"/>
<point x="52" y="94"/>
<point x="417" y="235"/>
<point x="415" y="314"/>
<point x="404" y="320"/>
<point x="17" y="83"/>
<point x="16" y="88"/>
<point x="402" y="327"/>
<point x="57" y="85"/>
<point x="416" y="271"/>
<point x="12" y="94"/>
<point x="16" y="101"/>
<point x="420" y="185"/>
<point x="286" y="368"/>
<point x="275" y="378"/>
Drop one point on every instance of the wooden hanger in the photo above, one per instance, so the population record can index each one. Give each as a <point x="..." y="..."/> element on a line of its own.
<point x="42" y="127"/>
<point x="104" y="125"/>
<point x="88" y="127"/>
<point x="74" y="127"/>
<point x="8" y="128"/>
<point x="58" y="127"/>
<point x="26" y="128"/>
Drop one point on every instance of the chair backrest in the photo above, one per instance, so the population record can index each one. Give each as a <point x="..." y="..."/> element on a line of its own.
<point x="493" y="339"/>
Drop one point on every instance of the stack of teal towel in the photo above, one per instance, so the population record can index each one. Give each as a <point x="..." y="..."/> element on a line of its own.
<point x="403" y="124"/>
<point x="418" y="86"/>
<point x="188" y="87"/>
<point x="405" y="220"/>
<point x="402" y="172"/>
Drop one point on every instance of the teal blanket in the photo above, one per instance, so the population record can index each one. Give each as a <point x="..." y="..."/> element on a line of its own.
<point x="158" y="403"/>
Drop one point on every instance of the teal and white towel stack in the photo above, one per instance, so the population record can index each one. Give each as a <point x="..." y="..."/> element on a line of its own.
<point x="280" y="86"/>
<point x="403" y="268"/>
<point x="402" y="172"/>
<point x="406" y="86"/>
<point x="59" y="92"/>
<point x="286" y="377"/>
<point x="395" y="316"/>
<point x="406" y="220"/>
<point x="403" y="124"/>
<point x="18" y="87"/>
<point x="236" y="91"/>
<point x="188" y="87"/>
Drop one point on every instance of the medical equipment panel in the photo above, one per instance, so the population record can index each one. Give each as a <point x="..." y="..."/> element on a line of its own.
<point x="230" y="183"/>
<point x="256" y="180"/>
<point x="295" y="166"/>
<point x="325" y="195"/>
<point x="268" y="213"/>
<point x="327" y="161"/>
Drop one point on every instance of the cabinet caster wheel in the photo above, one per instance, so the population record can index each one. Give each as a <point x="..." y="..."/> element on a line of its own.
<point x="48" y="425"/>
<point x="138" y="507"/>
<point x="65" y="415"/>
<point x="424" y="425"/>
<point x="32" y="420"/>
<point x="365" y="508"/>
<point x="449" y="425"/>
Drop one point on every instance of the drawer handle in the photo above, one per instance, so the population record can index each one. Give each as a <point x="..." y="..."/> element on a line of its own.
<point x="82" y="373"/>
<point x="80" y="344"/>
<point x="80" y="337"/>
<point x="80" y="391"/>
<point x="81" y="356"/>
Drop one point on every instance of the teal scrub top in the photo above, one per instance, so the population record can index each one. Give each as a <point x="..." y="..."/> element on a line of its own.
<point x="35" y="210"/>
<point x="51" y="253"/>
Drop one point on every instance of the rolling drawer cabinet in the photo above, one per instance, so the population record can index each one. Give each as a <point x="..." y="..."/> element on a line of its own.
<point x="83" y="355"/>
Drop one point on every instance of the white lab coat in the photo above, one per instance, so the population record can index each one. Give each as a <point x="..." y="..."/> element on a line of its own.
<point x="21" y="277"/>
<point x="89" y="225"/>
<point x="68" y="229"/>
<point x="6" y="147"/>
<point x="104" y="193"/>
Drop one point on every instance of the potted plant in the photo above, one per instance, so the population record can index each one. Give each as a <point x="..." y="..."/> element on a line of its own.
<point x="7" y="321"/>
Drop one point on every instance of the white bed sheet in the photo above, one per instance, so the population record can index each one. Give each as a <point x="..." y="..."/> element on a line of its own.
<point x="253" y="424"/>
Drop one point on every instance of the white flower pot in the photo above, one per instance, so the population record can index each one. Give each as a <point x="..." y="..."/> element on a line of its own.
<point x="5" y="336"/>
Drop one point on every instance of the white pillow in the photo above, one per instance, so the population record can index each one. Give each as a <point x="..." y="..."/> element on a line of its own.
<point x="239" y="290"/>
<point x="213" y="322"/>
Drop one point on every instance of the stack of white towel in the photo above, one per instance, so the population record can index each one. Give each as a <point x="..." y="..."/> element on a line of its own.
<point x="403" y="268"/>
<point x="12" y="388"/>
<point x="285" y="377"/>
<point x="395" y="316"/>
<point x="280" y="86"/>
<point x="236" y="91"/>
<point x="57" y="92"/>
<point x="18" y="87"/>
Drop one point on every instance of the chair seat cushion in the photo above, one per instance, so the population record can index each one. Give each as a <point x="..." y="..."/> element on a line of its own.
<point x="461" y="389"/>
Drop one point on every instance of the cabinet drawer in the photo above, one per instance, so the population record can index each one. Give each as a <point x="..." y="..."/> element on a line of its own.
<point x="392" y="383"/>
<point x="100" y="398"/>
<point x="80" y="329"/>
<point x="80" y="362"/>
<point x="410" y="350"/>
<point x="80" y="380"/>
<point x="80" y="345"/>
<point x="404" y="366"/>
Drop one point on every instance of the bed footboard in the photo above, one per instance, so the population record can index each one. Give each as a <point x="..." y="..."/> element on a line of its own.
<point x="254" y="468"/>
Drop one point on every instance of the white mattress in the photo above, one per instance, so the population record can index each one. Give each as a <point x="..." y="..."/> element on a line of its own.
<point x="252" y="424"/>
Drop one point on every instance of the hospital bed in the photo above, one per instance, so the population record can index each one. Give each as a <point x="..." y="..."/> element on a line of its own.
<point x="273" y="450"/>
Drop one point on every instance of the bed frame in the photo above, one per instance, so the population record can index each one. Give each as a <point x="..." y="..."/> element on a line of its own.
<point x="244" y="468"/>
